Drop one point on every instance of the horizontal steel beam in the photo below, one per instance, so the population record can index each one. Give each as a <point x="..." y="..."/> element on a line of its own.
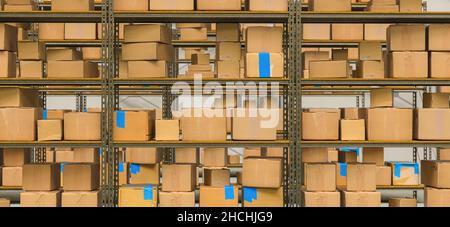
<point x="51" y="17"/>
<point x="171" y="81"/>
<point x="52" y="82"/>
<point x="378" y="82"/>
<point x="31" y="144"/>
<point x="405" y="144"/>
<point x="203" y="144"/>
<point x="370" y="17"/>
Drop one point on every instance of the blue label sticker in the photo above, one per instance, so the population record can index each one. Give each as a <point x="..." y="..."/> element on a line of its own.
<point x="121" y="169"/>
<point x="85" y="109"/>
<point x="264" y="65"/>
<point x="120" y="119"/>
<point x="44" y="115"/>
<point x="349" y="149"/>
<point x="343" y="169"/>
<point x="398" y="167"/>
<point x="61" y="167"/>
<point x="135" y="168"/>
<point x="100" y="151"/>
<point x="250" y="194"/>
<point x="148" y="192"/>
<point x="229" y="192"/>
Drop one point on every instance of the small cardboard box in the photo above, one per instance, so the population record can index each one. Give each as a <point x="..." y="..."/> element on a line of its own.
<point x="348" y="155"/>
<point x="81" y="199"/>
<point x="64" y="54"/>
<point x="435" y="174"/>
<point x="12" y="176"/>
<point x="219" y="5"/>
<point x="329" y="69"/>
<point x="40" y="199"/>
<point x="434" y="197"/>
<point x="138" y="196"/>
<point x="144" y="174"/>
<point x="72" y="69"/>
<point x="436" y="100"/>
<point x="41" y="177"/>
<point x="262" y="172"/>
<point x="414" y="6"/>
<point x="219" y="196"/>
<point x="179" y="178"/>
<point x="438" y="61"/>
<point x="215" y="157"/>
<point x="375" y="32"/>
<point x="390" y="124"/>
<point x="133" y="125"/>
<point x="228" y="51"/>
<point x="153" y="51"/>
<point x="82" y="126"/>
<point x="49" y="130"/>
<point x="5" y="202"/>
<point x="404" y="173"/>
<point x="143" y="155"/>
<point x="216" y="177"/>
<point x="361" y="199"/>
<point x="64" y="156"/>
<point x="353" y="113"/>
<point x="402" y="202"/>
<point x="18" y="124"/>
<point x="373" y="155"/>
<point x="320" y="177"/>
<point x="438" y="34"/>
<point x="15" y="156"/>
<point x="361" y="177"/>
<point x="318" y="155"/>
<point x="384" y="175"/>
<point x="91" y="53"/>
<point x="167" y="130"/>
<point x="406" y="38"/>
<point x="193" y="34"/>
<point x="321" y="199"/>
<point x="31" y="69"/>
<point x="72" y="5"/>
<point x="131" y="5"/>
<point x="327" y="121"/>
<point x="381" y="97"/>
<point x="172" y="5"/>
<point x="370" y="51"/>
<point x="257" y="39"/>
<point x="143" y="33"/>
<point x="228" y="32"/>
<point x="431" y="124"/>
<point x="187" y="155"/>
<point x="176" y="199"/>
<point x="352" y="130"/>
<point x="86" y="155"/>
<point x="204" y="128"/>
<point x="81" y="177"/>
<point x="264" y="65"/>
<point x="27" y="50"/>
<point x="51" y="31"/>
<point x="309" y="56"/>
<point x="262" y="197"/>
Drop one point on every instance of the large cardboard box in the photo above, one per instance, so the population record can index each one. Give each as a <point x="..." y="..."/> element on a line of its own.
<point x="370" y="51"/>
<point x="187" y="155"/>
<point x="264" y="65"/>
<point x="64" y="156"/>
<point x="8" y="37"/>
<point x="41" y="177"/>
<point x="373" y="155"/>
<point x="166" y="130"/>
<point x="179" y="178"/>
<point x="347" y="31"/>
<point x="404" y="173"/>
<point x="81" y="199"/>
<point x="268" y="5"/>
<point x="153" y="51"/>
<point x="431" y="124"/>
<point x="49" y="130"/>
<point x="148" y="69"/>
<point x="402" y="202"/>
<point x="326" y="121"/>
<point x="361" y="199"/>
<point x="384" y="175"/>
<point x="375" y="32"/>
<point x="438" y="61"/>
<point x="19" y="97"/>
<point x="361" y="177"/>
<point x="72" y="5"/>
<point x="133" y="125"/>
<point x="227" y="32"/>
<point x="143" y="155"/>
<point x="408" y="65"/>
<point x="320" y="177"/>
<point x="352" y="130"/>
<point x="262" y="197"/>
<point x="390" y="124"/>
<point x="436" y="100"/>
<point x="82" y="126"/>
<point x="215" y="157"/>
<point x="381" y="97"/>
<point x="436" y="197"/>
<point x="172" y="5"/>
<point x="176" y="199"/>
<point x="91" y="53"/>
<point x="27" y="50"/>
<point x="321" y="199"/>
<point x="406" y="38"/>
<point x="40" y="199"/>
<point x="249" y="125"/>
<point x="329" y="69"/>
<point x="330" y="6"/>
<point x="72" y="69"/>
<point x="12" y="176"/>
<point x="144" y="33"/>
<point x="15" y="156"/>
<point x="81" y="177"/>
<point x="80" y="31"/>
<point x="262" y="172"/>
<point x="341" y="174"/>
<point x="414" y="6"/>
<point x="51" y="31"/>
<point x="443" y="154"/>
<point x="435" y="173"/>
<point x="228" y="69"/>
<point x="204" y="127"/>
<point x="219" y="5"/>
<point x="319" y="155"/>
<point x="438" y="34"/>
<point x="18" y="124"/>
<point x="144" y="174"/>
<point x="131" y="5"/>
<point x="31" y="69"/>
<point x="257" y="39"/>
<point x="138" y="196"/>
<point x="316" y="31"/>
<point x="7" y="64"/>
<point x="219" y="196"/>
<point x="64" y="54"/>
<point x="216" y="177"/>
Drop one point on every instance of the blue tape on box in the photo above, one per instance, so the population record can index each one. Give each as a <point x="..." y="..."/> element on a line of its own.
<point x="343" y="169"/>
<point x="121" y="169"/>
<point x="135" y="168"/>
<point x="44" y="115"/>
<point x="398" y="167"/>
<point x="120" y="119"/>
<point x="148" y="192"/>
<point x="250" y="194"/>
<point x="349" y="149"/>
<point x="62" y="167"/>
<point x="229" y="192"/>
<point x="100" y="152"/>
<point x="264" y="65"/>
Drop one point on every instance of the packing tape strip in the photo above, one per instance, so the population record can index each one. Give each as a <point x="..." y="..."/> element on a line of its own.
<point x="148" y="192"/>
<point x="135" y="168"/>
<point x="121" y="169"/>
<point x="343" y="169"/>
<point x="398" y="167"/>
<point x="44" y="115"/>
<point x="229" y="192"/>
<point x="250" y="194"/>
<point x="349" y="149"/>
<point x="120" y="119"/>
<point x="264" y="64"/>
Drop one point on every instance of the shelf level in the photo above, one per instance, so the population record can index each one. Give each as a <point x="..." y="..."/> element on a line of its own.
<point x="217" y="144"/>
<point x="33" y="144"/>
<point x="377" y="82"/>
<point x="340" y="144"/>
<point x="45" y="81"/>
<point x="371" y="17"/>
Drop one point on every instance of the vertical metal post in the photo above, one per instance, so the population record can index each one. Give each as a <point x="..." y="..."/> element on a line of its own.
<point x="415" y="148"/>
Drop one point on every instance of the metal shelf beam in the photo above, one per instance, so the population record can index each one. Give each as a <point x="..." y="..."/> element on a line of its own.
<point x="340" y="144"/>
<point x="33" y="144"/>
<point x="171" y="81"/>
<point x="45" y="81"/>
<point x="216" y="144"/>
<point x="378" y="82"/>
<point x="371" y="17"/>
<point x="51" y="17"/>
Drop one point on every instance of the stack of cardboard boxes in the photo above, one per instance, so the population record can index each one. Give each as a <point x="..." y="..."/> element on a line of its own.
<point x="371" y="61"/>
<point x="435" y="176"/>
<point x="8" y="49"/>
<point x="360" y="189"/>
<point x="179" y="182"/>
<point x="200" y="67"/>
<point x="383" y="172"/>
<point x="393" y="6"/>
<point x="31" y="56"/>
<point x="20" y="5"/>
<point x="12" y="165"/>
<point x="81" y="184"/>
<point x="228" y="51"/>
<point x="41" y="185"/>
<point x="68" y="63"/>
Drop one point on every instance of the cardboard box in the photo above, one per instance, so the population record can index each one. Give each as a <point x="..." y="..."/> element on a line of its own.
<point x="215" y="157"/>
<point x="370" y="70"/>
<point x="153" y="51"/>
<point x="402" y="202"/>
<point x="72" y="5"/>
<point x="384" y="175"/>
<point x="406" y="38"/>
<point x="144" y="174"/>
<point x="228" y="69"/>
<point x="81" y="177"/>
<point x="431" y="124"/>
<point x="138" y="196"/>
<point x="408" y="65"/>
<point x="353" y="113"/>
<point x="176" y="199"/>
<point x="133" y="125"/>
<point x="361" y="199"/>
<point x="257" y="39"/>
<point x="316" y="31"/>
<point x="438" y="60"/>
<point x="194" y="34"/>
<point x="234" y="159"/>
<point x="438" y="34"/>
<point x="80" y="31"/>
<point x="321" y="199"/>
<point x="18" y="124"/>
<point x="12" y="176"/>
<point x="53" y="114"/>
<point x="86" y="155"/>
<point x="91" y="53"/>
<point x="143" y="155"/>
<point x="81" y="199"/>
<point x="436" y="197"/>
<point x="319" y="155"/>
<point x="216" y="177"/>
<point x="19" y="97"/>
<point x="8" y="64"/>
<point x="262" y="172"/>
<point x="267" y="5"/>
<point x="264" y="65"/>
<point x="247" y="125"/>
<point x="82" y="126"/>
<point x="390" y="124"/>
<point x="219" y="5"/>
<point x="49" y="130"/>
<point x="348" y="155"/>
<point x="172" y="5"/>
<point x="145" y="33"/>
<point x="375" y="32"/>
<point x="196" y="127"/>
<point x="51" y="31"/>
<point x="131" y="5"/>
<point x="443" y="154"/>
<point x="341" y="174"/>
<point x="330" y="6"/>
<point x="4" y="202"/>
<point x="327" y="121"/>
<point x="227" y="32"/>
<point x="373" y="155"/>
<point x="320" y="177"/>
<point x="219" y="196"/>
<point x="309" y="56"/>
<point x="167" y="130"/>
<point x="40" y="199"/>
<point x="262" y="197"/>
<point x="72" y="69"/>
<point x="179" y="178"/>
<point x="124" y="175"/>
<point x="329" y="69"/>
<point x="187" y="155"/>
<point x="64" y="156"/>
<point x="410" y="5"/>
<point x="15" y="156"/>
<point x="347" y="32"/>
<point x="30" y="50"/>
<point x="41" y="177"/>
<point x="404" y="173"/>
<point x="353" y="130"/>
<point x="370" y="51"/>
<point x="64" y="54"/>
<point x="381" y="97"/>
<point x="228" y="51"/>
<point x="435" y="174"/>
<point x="361" y="177"/>
<point x="31" y="69"/>
<point x="8" y="37"/>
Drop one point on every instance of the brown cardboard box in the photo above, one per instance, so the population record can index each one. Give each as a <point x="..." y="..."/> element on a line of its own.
<point x="8" y="64"/>
<point x="145" y="33"/>
<point x="91" y="53"/>
<point x="321" y="199"/>
<point x="309" y="56"/>
<point x="144" y="174"/>
<point x="64" y="156"/>
<point x="431" y="124"/>
<point x="262" y="197"/>
<point x="193" y="34"/>
<point x="143" y="155"/>
<point x="234" y="159"/>
<point x="257" y="39"/>
<point x="361" y="177"/>
<point x="435" y="173"/>
<point x="390" y="124"/>
<point x="373" y="155"/>
<point x="72" y="5"/>
<point x="353" y="113"/>
<point x="375" y="32"/>
<point x="228" y="51"/>
<point x="81" y="199"/>
<point x="215" y="157"/>
<point x="41" y="177"/>
<point x="72" y="69"/>
<point x="219" y="5"/>
<point x="347" y="31"/>
<point x="228" y="69"/>
<point x="316" y="31"/>
<point x="404" y="173"/>
<point x="18" y="124"/>
<point x="438" y="61"/>
<point x="408" y="65"/>
<point x="330" y="6"/>
<point x="200" y="59"/>
<point x="353" y="130"/>
<point x="402" y="202"/>
<point x="262" y="172"/>
<point x="381" y="97"/>
<point x="329" y="69"/>
<point x="320" y="177"/>
<point x="195" y="127"/>
<point x="153" y="51"/>
<point x="348" y="155"/>
<point x="8" y="37"/>
<point x="216" y="177"/>
<point x="15" y="156"/>
<point x="438" y="34"/>
<point x="276" y="152"/>
<point x="131" y="5"/>
<point x="123" y="173"/>
<point x="254" y="69"/>
<point x="86" y="155"/>
<point x="370" y="51"/>
<point x="172" y="5"/>
<point x="410" y="5"/>
<point x="51" y="31"/>
<point x="133" y="125"/>
<point x="267" y="5"/>
<point x="18" y="97"/>
<point x="249" y="126"/>
<point x="4" y="202"/>
<point x="406" y="38"/>
<point x="176" y="199"/>
<point x="138" y="196"/>
<point x="81" y="177"/>
<point x="219" y="196"/>
<point x="82" y="126"/>
<point x="179" y="178"/>
<point x="361" y="199"/>
<point x="166" y="130"/>
<point x="443" y="154"/>
<point x="54" y="114"/>
<point x="339" y="54"/>
<point x="31" y="69"/>
<point x="227" y="32"/>
<point x="40" y="199"/>
<point x="328" y="122"/>
<point x="64" y="54"/>
<point x="80" y="31"/>
<point x="253" y="152"/>
<point x="27" y="50"/>
<point x="318" y="155"/>
<point x="437" y="197"/>
<point x="384" y="175"/>
<point x="187" y="155"/>
<point x="370" y="69"/>
<point x="12" y="176"/>
<point x="49" y="130"/>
